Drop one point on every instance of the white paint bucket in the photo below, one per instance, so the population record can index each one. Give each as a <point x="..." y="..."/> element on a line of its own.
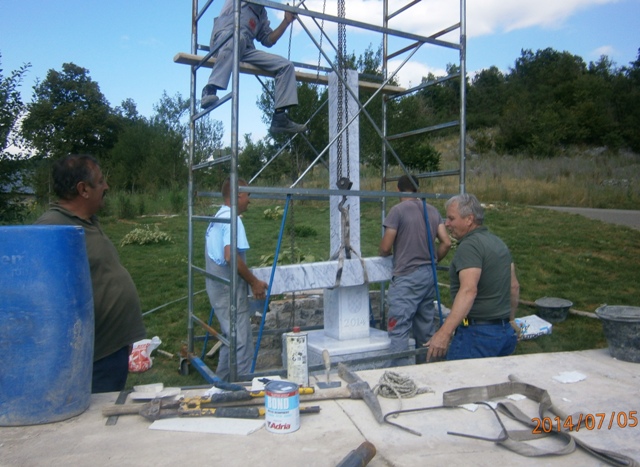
<point x="282" y="406"/>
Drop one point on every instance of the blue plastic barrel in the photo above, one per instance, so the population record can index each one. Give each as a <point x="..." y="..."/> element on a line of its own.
<point x="46" y="324"/>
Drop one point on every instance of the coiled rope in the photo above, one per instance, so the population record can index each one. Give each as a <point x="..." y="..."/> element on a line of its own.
<point x="393" y="385"/>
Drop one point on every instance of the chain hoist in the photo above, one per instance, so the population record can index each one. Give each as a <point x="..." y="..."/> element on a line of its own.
<point x="343" y="106"/>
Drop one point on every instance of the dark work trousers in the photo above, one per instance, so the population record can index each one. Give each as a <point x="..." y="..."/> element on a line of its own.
<point x="110" y="373"/>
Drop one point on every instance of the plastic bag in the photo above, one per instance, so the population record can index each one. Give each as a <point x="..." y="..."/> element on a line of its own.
<point x="533" y="326"/>
<point x="140" y="358"/>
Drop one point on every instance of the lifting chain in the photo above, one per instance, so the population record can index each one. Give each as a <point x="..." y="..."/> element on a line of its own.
<point x="343" y="107"/>
<point x="324" y="7"/>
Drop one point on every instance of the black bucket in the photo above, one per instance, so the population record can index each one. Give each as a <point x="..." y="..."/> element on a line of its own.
<point x="553" y="310"/>
<point x="621" y="326"/>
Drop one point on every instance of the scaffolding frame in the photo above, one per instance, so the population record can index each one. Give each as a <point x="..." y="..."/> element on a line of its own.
<point x="196" y="62"/>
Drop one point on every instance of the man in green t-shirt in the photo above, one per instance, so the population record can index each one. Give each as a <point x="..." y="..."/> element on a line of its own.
<point x="80" y="187"/>
<point x="484" y="289"/>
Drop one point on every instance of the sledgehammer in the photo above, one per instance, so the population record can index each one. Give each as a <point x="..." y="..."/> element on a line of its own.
<point x="361" y="390"/>
<point x="355" y="389"/>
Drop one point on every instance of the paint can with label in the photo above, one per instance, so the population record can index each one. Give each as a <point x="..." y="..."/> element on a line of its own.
<point x="282" y="406"/>
<point x="295" y="348"/>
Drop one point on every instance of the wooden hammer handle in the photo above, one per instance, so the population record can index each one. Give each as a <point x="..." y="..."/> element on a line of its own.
<point x="126" y="409"/>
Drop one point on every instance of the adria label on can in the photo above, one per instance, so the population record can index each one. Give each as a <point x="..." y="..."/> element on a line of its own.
<point x="282" y="406"/>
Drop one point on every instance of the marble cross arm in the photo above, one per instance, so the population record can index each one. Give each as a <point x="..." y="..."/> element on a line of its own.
<point x="322" y="275"/>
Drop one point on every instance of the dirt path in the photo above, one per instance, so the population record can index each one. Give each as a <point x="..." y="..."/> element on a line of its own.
<point x="629" y="218"/>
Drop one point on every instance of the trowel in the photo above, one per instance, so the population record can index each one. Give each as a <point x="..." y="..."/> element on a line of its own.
<point x="327" y="368"/>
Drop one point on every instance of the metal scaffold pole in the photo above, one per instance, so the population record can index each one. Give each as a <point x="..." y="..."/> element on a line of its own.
<point x="384" y="87"/>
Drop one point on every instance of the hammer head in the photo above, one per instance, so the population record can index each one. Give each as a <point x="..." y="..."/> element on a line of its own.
<point x="157" y="409"/>
<point x="360" y="389"/>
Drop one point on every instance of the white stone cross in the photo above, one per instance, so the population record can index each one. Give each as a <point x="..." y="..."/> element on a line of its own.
<point x="346" y="308"/>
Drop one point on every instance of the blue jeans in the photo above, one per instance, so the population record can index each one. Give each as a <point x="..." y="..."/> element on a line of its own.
<point x="479" y="341"/>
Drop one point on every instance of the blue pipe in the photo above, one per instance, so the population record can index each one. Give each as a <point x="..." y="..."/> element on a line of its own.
<point x="434" y="258"/>
<point x="273" y="272"/>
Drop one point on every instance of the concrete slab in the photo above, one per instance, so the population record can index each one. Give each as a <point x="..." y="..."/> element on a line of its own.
<point x="610" y="387"/>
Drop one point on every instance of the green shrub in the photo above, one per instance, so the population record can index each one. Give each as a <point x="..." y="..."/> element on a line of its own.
<point x="483" y="142"/>
<point x="146" y="236"/>
<point x="302" y="231"/>
<point x="273" y="214"/>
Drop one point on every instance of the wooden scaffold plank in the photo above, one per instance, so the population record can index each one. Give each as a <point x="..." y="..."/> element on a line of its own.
<point x="191" y="59"/>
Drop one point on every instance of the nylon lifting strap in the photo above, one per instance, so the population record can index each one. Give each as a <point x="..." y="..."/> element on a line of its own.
<point x="345" y="248"/>
<point x="514" y="440"/>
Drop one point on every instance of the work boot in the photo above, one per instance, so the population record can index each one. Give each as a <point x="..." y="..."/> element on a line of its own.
<point x="208" y="96"/>
<point x="280" y="123"/>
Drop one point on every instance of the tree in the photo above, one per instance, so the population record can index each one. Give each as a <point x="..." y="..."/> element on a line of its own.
<point x="208" y="142"/>
<point x="169" y="112"/>
<point x="434" y="104"/>
<point x="11" y="106"/>
<point x="253" y="157"/>
<point x="369" y="66"/>
<point x="150" y="154"/>
<point x="311" y="102"/>
<point x="69" y="114"/>
<point x="417" y="150"/>
<point x="627" y="103"/>
<point x="11" y="109"/>
<point x="485" y="100"/>
<point x="136" y="144"/>
<point x="541" y="95"/>
<point x="128" y="110"/>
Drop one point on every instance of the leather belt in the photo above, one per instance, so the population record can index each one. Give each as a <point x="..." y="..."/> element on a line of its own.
<point x="483" y="322"/>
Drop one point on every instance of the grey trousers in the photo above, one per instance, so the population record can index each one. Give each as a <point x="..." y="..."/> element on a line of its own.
<point x="286" y="93"/>
<point x="219" y="299"/>
<point x="411" y="311"/>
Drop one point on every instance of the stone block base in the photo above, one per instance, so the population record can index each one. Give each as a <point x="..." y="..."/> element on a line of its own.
<point x="376" y="345"/>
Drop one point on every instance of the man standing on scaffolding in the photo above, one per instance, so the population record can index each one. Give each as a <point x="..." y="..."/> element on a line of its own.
<point x="254" y="24"/>
<point x="218" y="259"/>
<point x="412" y="288"/>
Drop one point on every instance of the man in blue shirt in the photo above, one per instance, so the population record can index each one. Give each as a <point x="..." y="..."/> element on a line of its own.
<point x="217" y="258"/>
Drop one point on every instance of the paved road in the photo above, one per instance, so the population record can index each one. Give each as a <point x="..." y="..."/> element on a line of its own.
<point x="626" y="217"/>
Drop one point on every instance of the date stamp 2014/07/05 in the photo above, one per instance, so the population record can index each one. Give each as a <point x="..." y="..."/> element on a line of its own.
<point x="591" y="421"/>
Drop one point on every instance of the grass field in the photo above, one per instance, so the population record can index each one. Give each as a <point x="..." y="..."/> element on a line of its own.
<point x="585" y="261"/>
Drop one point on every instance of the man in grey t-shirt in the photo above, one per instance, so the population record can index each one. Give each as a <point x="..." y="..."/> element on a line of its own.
<point x="412" y="289"/>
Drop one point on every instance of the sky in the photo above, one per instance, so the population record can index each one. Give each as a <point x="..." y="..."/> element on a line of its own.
<point x="128" y="45"/>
